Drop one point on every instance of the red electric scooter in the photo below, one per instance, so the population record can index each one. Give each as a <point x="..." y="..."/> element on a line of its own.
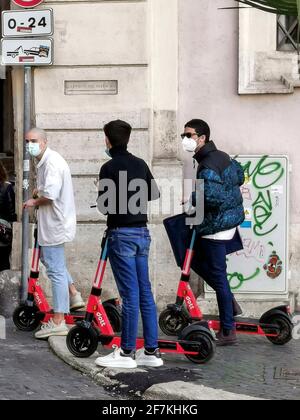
<point x="36" y="309"/>
<point x="195" y="342"/>
<point x="276" y="324"/>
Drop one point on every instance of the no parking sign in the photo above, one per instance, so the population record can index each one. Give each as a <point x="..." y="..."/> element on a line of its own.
<point x="28" y="3"/>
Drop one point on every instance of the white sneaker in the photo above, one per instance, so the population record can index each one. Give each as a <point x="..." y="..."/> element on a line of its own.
<point x="144" y="358"/>
<point x="117" y="359"/>
<point x="76" y="302"/>
<point x="50" y="329"/>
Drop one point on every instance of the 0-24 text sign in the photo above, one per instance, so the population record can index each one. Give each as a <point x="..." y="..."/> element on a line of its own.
<point x="19" y="23"/>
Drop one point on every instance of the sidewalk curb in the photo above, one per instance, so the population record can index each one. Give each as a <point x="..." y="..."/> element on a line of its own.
<point x="102" y="376"/>
<point x="180" y="390"/>
<point x="175" y="390"/>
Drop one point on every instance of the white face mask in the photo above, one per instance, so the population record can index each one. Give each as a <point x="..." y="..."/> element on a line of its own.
<point x="34" y="149"/>
<point x="189" y="145"/>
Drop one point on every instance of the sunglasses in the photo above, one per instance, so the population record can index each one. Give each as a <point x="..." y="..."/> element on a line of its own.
<point x="188" y="135"/>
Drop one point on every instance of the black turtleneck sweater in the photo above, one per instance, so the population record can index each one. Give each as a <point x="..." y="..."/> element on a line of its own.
<point x="122" y="169"/>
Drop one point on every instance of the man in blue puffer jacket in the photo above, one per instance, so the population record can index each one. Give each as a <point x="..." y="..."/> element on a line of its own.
<point x="223" y="213"/>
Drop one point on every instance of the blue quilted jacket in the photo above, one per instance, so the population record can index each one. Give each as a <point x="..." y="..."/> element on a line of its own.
<point x="223" y="202"/>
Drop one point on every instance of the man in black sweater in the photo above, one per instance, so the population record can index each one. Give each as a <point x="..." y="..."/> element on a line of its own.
<point x="126" y="186"/>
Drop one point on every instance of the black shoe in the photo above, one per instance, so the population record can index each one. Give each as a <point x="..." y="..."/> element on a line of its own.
<point x="237" y="310"/>
<point x="226" y="337"/>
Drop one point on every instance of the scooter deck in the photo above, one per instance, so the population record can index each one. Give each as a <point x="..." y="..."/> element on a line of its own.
<point x="238" y="320"/>
<point x="77" y="313"/>
<point x="70" y="318"/>
<point x="246" y="326"/>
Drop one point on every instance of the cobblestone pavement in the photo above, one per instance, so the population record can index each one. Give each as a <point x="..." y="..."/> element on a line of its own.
<point x="254" y="367"/>
<point x="29" y="370"/>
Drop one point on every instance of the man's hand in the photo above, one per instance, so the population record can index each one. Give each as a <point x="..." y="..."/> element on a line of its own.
<point x="30" y="203"/>
<point x="36" y="202"/>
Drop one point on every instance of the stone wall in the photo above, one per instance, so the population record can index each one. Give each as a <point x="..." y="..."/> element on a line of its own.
<point x="111" y="60"/>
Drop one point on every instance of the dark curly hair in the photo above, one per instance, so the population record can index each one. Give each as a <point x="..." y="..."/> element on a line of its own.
<point x="201" y="127"/>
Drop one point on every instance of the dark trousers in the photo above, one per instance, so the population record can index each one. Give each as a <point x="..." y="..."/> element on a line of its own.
<point x="210" y="262"/>
<point x="4" y="257"/>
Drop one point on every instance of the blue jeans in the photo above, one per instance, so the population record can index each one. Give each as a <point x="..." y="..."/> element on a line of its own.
<point x="128" y="251"/>
<point x="53" y="258"/>
<point x="210" y="261"/>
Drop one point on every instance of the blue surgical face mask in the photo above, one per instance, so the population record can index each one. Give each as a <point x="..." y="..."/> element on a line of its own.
<point x="34" y="149"/>
<point x="108" y="152"/>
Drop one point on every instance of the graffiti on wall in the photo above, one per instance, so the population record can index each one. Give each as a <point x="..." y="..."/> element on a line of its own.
<point x="264" y="175"/>
<point x="236" y="280"/>
<point x="260" y="262"/>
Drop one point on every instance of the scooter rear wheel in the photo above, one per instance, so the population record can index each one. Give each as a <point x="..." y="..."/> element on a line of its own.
<point x="208" y="346"/>
<point x="25" y="318"/>
<point x="285" y="326"/>
<point x="172" y="323"/>
<point x="82" y="342"/>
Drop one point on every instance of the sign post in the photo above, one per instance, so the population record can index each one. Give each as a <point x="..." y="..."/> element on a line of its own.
<point x="20" y="46"/>
<point x="26" y="175"/>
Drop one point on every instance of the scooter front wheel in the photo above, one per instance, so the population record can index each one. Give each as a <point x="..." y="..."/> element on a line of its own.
<point x="82" y="342"/>
<point x="199" y="338"/>
<point x="26" y="318"/>
<point x="171" y="322"/>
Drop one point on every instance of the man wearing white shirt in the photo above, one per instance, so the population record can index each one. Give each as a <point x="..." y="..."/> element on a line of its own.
<point x="56" y="226"/>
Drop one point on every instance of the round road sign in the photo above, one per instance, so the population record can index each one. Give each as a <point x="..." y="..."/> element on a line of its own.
<point x="28" y="3"/>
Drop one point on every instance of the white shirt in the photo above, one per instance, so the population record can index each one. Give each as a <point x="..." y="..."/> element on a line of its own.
<point x="56" y="221"/>
<point x="226" y="235"/>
